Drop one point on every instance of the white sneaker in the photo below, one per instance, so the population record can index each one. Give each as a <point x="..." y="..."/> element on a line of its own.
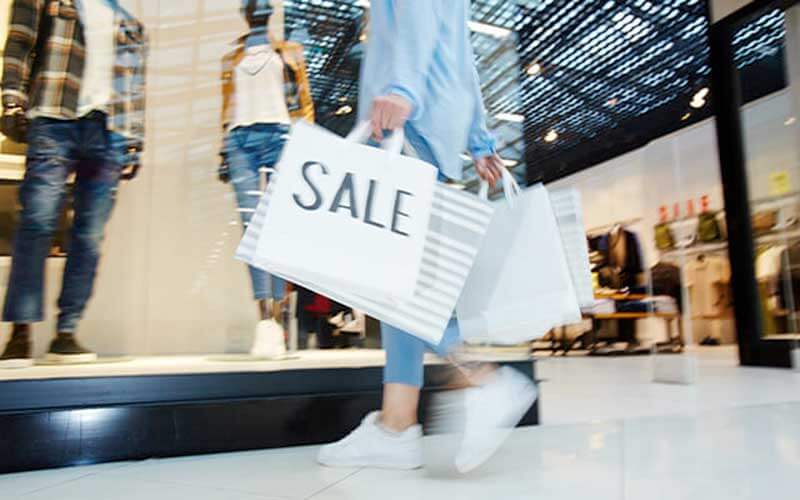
<point x="484" y="416"/>
<point x="370" y="445"/>
<point x="270" y="341"/>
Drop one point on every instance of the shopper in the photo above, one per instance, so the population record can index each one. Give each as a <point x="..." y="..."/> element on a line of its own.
<point x="419" y="74"/>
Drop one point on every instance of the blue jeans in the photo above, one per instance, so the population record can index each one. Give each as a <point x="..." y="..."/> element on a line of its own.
<point x="56" y="149"/>
<point x="404" y="352"/>
<point x="248" y="149"/>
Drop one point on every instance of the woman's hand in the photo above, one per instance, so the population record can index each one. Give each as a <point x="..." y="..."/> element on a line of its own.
<point x="490" y="168"/>
<point x="389" y="112"/>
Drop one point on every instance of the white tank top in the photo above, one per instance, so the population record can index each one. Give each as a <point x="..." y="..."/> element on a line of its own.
<point x="259" y="91"/>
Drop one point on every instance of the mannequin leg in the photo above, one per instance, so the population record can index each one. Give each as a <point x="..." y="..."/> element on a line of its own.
<point x="41" y="196"/>
<point x="97" y="177"/>
<point x="246" y="183"/>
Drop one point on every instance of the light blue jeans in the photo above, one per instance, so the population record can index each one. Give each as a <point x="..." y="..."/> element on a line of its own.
<point x="404" y="352"/>
<point x="248" y="149"/>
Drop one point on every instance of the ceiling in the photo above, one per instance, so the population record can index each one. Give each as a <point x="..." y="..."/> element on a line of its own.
<point x="557" y="75"/>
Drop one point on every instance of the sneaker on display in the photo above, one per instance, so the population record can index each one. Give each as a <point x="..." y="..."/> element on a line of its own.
<point x="270" y="340"/>
<point x="484" y="416"/>
<point x="370" y="445"/>
<point x="17" y="353"/>
<point x="66" y="349"/>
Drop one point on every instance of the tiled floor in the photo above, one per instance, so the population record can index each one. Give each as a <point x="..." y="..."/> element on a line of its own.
<point x="610" y="434"/>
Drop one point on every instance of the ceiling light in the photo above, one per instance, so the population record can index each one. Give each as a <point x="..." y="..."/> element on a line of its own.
<point x="551" y="136"/>
<point x="489" y="29"/>
<point x="790" y="121"/>
<point x="698" y="103"/>
<point x="344" y="110"/>
<point x="510" y="117"/>
<point x="701" y="94"/>
<point x="510" y="163"/>
<point x="534" y="69"/>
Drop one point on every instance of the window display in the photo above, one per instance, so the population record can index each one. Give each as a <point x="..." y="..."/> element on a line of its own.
<point x="156" y="284"/>
<point x="73" y="89"/>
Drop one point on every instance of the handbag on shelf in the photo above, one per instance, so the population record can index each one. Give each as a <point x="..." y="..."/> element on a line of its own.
<point x="708" y="228"/>
<point x="664" y="238"/>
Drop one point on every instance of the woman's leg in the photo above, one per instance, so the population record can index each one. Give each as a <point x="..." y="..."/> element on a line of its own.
<point x="404" y="373"/>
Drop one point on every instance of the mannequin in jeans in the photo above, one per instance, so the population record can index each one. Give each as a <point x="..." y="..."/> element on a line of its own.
<point x="73" y="89"/>
<point x="419" y="75"/>
<point x="256" y="122"/>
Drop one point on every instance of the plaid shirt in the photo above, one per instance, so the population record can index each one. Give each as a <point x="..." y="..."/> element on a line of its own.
<point x="43" y="73"/>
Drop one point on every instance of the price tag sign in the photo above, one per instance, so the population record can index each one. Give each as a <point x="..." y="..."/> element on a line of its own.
<point x="779" y="183"/>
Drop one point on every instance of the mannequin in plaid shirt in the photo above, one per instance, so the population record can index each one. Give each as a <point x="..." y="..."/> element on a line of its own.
<point x="73" y="89"/>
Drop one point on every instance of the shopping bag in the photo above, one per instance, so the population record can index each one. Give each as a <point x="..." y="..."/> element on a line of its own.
<point x="568" y="210"/>
<point x="520" y="286"/>
<point x="348" y="213"/>
<point x="457" y="226"/>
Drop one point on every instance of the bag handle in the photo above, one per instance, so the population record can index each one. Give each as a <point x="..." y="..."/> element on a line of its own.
<point x="393" y="144"/>
<point x="511" y="188"/>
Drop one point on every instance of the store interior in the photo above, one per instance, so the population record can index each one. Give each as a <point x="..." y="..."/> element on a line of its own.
<point x="170" y="297"/>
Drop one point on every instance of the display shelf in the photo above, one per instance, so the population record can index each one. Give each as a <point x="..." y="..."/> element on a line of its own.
<point x="12" y="167"/>
<point x="764" y="239"/>
<point x="783" y="336"/>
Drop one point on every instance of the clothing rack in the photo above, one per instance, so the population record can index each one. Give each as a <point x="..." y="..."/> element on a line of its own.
<point x="607" y="227"/>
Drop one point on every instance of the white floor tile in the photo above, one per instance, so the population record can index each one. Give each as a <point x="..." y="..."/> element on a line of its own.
<point x="13" y="485"/>
<point x="743" y="454"/>
<point x="110" y="486"/>
<point x="286" y="473"/>
<point x="586" y="389"/>
<point x="558" y="463"/>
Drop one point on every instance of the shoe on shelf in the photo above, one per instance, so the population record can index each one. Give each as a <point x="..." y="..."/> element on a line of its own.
<point x="269" y="341"/>
<point x="484" y="416"/>
<point x="17" y="353"/>
<point x="371" y="445"/>
<point x="66" y="349"/>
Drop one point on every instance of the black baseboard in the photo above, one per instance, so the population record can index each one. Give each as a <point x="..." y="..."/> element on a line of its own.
<point x="129" y="418"/>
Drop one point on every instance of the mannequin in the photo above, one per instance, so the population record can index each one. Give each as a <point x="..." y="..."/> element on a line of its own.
<point x="84" y="117"/>
<point x="257" y="113"/>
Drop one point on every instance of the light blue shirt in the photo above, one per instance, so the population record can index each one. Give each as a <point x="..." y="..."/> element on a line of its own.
<point x="421" y="50"/>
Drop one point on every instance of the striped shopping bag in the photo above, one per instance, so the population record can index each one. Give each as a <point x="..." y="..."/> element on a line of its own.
<point x="457" y="226"/>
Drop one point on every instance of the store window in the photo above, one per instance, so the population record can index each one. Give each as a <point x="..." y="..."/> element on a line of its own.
<point x="196" y="133"/>
<point x="772" y="144"/>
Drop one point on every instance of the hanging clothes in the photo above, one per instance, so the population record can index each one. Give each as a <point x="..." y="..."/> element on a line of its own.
<point x="666" y="280"/>
<point x="708" y="279"/>
<point x="623" y="255"/>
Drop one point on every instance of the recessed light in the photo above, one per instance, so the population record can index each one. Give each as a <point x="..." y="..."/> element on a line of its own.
<point x="534" y="69"/>
<point x="489" y="29"/>
<point x="551" y="136"/>
<point x="790" y="121"/>
<point x="702" y="94"/>
<point x="510" y="117"/>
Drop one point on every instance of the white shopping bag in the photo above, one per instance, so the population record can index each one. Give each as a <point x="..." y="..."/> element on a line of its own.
<point x="348" y="213"/>
<point x="520" y="286"/>
<point x="457" y="226"/>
